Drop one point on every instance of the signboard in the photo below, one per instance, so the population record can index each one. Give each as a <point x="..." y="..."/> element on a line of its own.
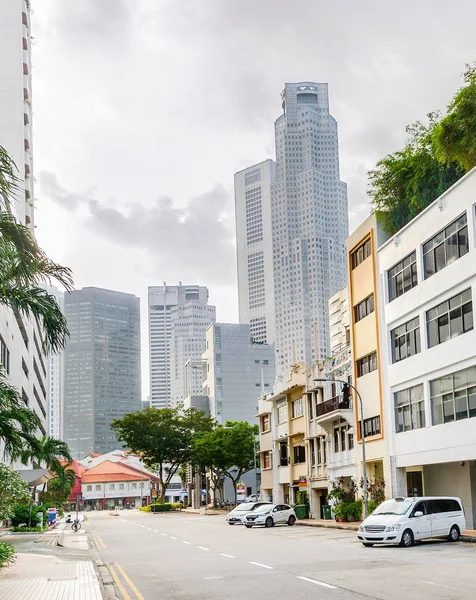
<point x="302" y="482"/>
<point x="154" y="493"/>
<point x="240" y="491"/>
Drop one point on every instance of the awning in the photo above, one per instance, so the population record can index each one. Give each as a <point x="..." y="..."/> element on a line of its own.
<point x="35" y="477"/>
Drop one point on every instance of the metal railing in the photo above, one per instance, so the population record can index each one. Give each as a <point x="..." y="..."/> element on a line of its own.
<point x="331" y="405"/>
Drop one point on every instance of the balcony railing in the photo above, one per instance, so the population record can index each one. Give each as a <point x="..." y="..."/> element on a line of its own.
<point x="331" y="405"/>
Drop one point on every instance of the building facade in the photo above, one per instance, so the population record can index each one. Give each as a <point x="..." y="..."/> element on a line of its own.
<point x="178" y="318"/>
<point x="55" y="381"/>
<point x="428" y="281"/>
<point x="102" y="367"/>
<point x="254" y="249"/>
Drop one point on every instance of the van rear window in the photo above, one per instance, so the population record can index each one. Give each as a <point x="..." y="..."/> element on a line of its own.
<point x="452" y="505"/>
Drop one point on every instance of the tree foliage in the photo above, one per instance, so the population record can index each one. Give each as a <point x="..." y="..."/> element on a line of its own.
<point x="46" y="452"/>
<point x="13" y="490"/>
<point x="59" y="488"/>
<point x="162" y="437"/>
<point x="436" y="155"/>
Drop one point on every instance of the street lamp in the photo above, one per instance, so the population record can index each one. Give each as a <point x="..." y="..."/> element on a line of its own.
<point x="362" y="435"/>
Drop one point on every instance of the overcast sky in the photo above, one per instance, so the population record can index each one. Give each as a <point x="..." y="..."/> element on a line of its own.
<point x="144" y="110"/>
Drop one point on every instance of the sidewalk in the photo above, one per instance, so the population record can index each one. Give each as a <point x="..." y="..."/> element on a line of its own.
<point x="48" y="577"/>
<point x="467" y="536"/>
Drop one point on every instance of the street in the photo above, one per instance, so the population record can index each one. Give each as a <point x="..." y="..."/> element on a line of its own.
<point x="185" y="556"/>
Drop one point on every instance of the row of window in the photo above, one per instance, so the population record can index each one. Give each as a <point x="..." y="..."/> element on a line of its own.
<point x="112" y="486"/>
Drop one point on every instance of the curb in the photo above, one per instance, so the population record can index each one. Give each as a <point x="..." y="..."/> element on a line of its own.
<point x="333" y="526"/>
<point x="105" y="579"/>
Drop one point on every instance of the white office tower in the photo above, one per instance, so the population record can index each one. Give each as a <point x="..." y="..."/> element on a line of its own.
<point x="309" y="224"/>
<point x="237" y="372"/>
<point x="21" y="342"/>
<point x="178" y="318"/>
<point x="55" y="380"/>
<point x="254" y="247"/>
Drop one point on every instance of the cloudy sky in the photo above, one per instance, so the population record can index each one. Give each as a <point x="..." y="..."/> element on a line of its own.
<point x="144" y="110"/>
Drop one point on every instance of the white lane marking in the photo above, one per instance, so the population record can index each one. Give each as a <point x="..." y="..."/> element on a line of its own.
<point x="441" y="585"/>
<point x="172" y="537"/>
<point x="216" y="577"/>
<point x="261" y="565"/>
<point x="184" y="542"/>
<point x="227" y="555"/>
<point x="164" y="534"/>
<point x="202" y="548"/>
<point x="321" y="583"/>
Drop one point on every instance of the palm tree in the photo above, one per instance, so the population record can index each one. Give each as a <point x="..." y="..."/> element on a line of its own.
<point x="46" y="452"/>
<point x="61" y="485"/>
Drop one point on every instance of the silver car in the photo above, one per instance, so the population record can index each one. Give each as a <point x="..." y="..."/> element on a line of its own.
<point x="236" y="516"/>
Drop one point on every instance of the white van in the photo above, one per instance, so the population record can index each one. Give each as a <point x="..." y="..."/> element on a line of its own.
<point x="406" y="520"/>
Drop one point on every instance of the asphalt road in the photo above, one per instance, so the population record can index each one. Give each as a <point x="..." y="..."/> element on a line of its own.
<point x="183" y="556"/>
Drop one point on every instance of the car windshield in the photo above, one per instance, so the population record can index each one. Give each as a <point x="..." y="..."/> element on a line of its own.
<point x="261" y="507"/>
<point x="242" y="507"/>
<point x="393" y="507"/>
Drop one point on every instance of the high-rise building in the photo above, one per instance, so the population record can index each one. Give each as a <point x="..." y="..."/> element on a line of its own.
<point x="55" y="380"/>
<point x="308" y="222"/>
<point x="254" y="249"/>
<point x="102" y="367"/>
<point x="178" y="318"/>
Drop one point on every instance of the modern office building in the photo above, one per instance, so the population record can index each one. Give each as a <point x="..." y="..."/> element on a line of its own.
<point x="254" y="249"/>
<point x="102" y="367"/>
<point x="55" y="380"/>
<point x="178" y="318"/>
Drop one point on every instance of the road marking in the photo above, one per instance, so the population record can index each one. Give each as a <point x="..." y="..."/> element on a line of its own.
<point x="129" y="581"/>
<point x="100" y="543"/>
<point x="227" y="555"/>
<point x="184" y="542"/>
<point x="164" y="534"/>
<point x="172" y="537"/>
<point x="441" y="585"/>
<point x="321" y="583"/>
<point x="261" y="565"/>
<point x="118" y="582"/>
<point x="206" y="549"/>
<point x="216" y="577"/>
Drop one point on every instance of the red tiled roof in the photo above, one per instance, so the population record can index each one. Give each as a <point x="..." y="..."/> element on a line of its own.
<point x="107" y="469"/>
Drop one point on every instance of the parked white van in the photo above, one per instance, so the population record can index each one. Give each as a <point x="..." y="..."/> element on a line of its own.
<point x="406" y="520"/>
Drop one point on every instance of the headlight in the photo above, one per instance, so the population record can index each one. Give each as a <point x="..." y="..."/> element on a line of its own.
<point x="393" y="528"/>
<point x="361" y="528"/>
<point x="260" y="515"/>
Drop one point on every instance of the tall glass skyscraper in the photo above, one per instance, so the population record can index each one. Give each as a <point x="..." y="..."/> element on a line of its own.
<point x="102" y="367"/>
<point x="308" y="224"/>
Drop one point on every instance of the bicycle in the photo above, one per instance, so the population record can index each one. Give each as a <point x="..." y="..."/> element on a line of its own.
<point x="76" y="526"/>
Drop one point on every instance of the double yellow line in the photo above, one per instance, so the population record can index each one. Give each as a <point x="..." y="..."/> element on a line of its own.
<point x="127" y="579"/>
<point x="99" y="542"/>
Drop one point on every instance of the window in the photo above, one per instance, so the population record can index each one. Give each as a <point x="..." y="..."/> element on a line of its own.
<point x="297" y="408"/>
<point x="121" y="486"/>
<point x="409" y="409"/>
<point x="364" y="308"/>
<point x="5" y="357"/>
<point x="367" y="364"/>
<point x="266" y="460"/>
<point x="405" y="340"/>
<point x="133" y="486"/>
<point x="321" y="451"/>
<point x="343" y="434"/>
<point x="283" y="454"/>
<point x="112" y="486"/>
<point x="450" y="319"/>
<point x="89" y="488"/>
<point x="312" y="447"/>
<point x="98" y="488"/>
<point x="361" y="253"/>
<point x="453" y="397"/>
<point x="264" y="421"/>
<point x="282" y="411"/>
<point x="446" y="246"/>
<point x="336" y="440"/>
<point x="350" y="437"/>
<point x="299" y="453"/>
<point x="372" y="426"/>
<point x="402" y="277"/>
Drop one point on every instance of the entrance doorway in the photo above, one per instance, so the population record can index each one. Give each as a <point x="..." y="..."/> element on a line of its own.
<point x="414" y="484"/>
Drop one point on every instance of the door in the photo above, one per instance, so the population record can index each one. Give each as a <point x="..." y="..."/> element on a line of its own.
<point x="421" y="525"/>
<point x="439" y="517"/>
<point x="414" y="484"/>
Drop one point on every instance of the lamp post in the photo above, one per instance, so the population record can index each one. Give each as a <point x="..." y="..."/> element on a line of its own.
<point x="362" y="435"/>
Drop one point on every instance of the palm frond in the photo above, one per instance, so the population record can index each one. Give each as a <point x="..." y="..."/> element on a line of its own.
<point x="9" y="180"/>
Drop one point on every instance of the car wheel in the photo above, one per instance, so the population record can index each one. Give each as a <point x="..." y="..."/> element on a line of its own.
<point x="291" y="520"/>
<point x="454" y="534"/>
<point x="367" y="544"/>
<point x="269" y="522"/>
<point x="230" y="523"/>
<point x="407" y="538"/>
<point x="248" y="526"/>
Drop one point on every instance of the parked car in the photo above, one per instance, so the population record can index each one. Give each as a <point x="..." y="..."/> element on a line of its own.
<point x="407" y="520"/>
<point x="236" y="516"/>
<point x="270" y="515"/>
<point x="253" y="498"/>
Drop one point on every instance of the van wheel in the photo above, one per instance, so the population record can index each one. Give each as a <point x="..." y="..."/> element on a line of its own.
<point x="367" y="544"/>
<point x="454" y="534"/>
<point x="407" y="538"/>
<point x="269" y="522"/>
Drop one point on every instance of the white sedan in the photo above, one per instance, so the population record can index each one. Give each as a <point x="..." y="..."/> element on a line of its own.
<point x="270" y="515"/>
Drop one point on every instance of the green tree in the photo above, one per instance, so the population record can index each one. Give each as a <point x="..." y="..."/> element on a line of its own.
<point x="163" y="438"/>
<point x="46" y="452"/>
<point x="455" y="135"/>
<point x="13" y="490"/>
<point x="208" y="457"/>
<point x="59" y="488"/>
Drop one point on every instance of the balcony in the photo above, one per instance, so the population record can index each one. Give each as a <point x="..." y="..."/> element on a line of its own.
<point x="335" y="408"/>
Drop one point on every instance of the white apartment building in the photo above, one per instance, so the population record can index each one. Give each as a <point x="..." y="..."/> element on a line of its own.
<point x="428" y="282"/>
<point x="21" y="344"/>
<point x="254" y="249"/>
<point x="178" y="318"/>
<point x="55" y="381"/>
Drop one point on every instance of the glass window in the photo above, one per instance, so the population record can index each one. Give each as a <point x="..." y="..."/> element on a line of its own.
<point x="367" y="364"/>
<point x="266" y="460"/>
<point x="450" y="319"/>
<point x="447" y="246"/>
<point x="402" y="277"/>
<point x="282" y="410"/>
<point x="372" y="426"/>
<point x="299" y="453"/>
<point x="361" y="253"/>
<point x="89" y="488"/>
<point x="409" y="409"/>
<point x="297" y="408"/>
<point x="264" y="423"/>
<point x="405" y="340"/>
<point x="453" y="397"/>
<point x="364" y="308"/>
<point x="98" y="488"/>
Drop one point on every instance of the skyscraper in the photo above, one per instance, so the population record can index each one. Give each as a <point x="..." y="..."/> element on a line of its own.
<point x="254" y="249"/>
<point x="102" y="367"/>
<point x="308" y="223"/>
<point x="178" y="318"/>
<point x="55" y="380"/>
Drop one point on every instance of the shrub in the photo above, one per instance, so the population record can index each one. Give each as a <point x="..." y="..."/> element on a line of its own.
<point x="21" y="514"/>
<point x="145" y="508"/>
<point x="355" y="509"/>
<point x="302" y="498"/>
<point x="177" y="506"/>
<point x="165" y="507"/>
<point x="23" y="528"/>
<point x="372" y="505"/>
<point x="7" y="554"/>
